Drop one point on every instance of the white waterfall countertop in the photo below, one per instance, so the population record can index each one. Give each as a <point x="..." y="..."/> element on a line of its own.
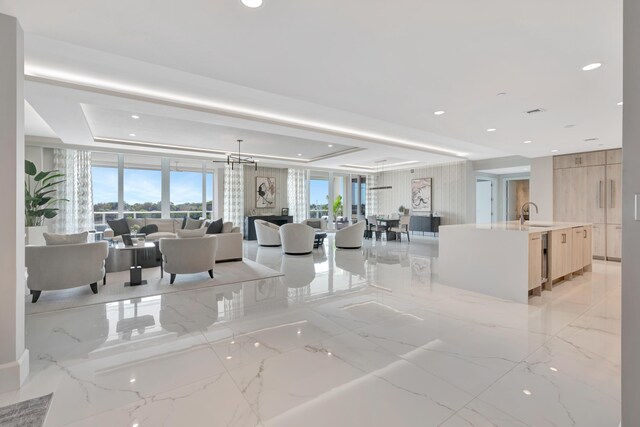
<point x="528" y="227"/>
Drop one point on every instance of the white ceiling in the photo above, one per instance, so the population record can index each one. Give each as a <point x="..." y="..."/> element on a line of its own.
<point x="392" y="63"/>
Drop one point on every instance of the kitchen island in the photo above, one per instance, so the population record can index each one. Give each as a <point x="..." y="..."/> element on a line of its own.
<point x="513" y="261"/>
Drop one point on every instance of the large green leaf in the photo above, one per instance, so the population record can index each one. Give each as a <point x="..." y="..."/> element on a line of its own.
<point x="44" y="187"/>
<point x="54" y="176"/>
<point x="50" y="213"/>
<point x="29" y="168"/>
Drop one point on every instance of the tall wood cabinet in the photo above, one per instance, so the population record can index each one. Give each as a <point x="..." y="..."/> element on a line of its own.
<point x="588" y="188"/>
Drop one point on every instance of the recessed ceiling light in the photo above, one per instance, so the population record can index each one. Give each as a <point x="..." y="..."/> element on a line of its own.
<point x="330" y="145"/>
<point x="438" y="113"/>
<point x="256" y="344"/>
<point x="328" y="353"/>
<point x="252" y="3"/>
<point x="299" y="331"/>
<point x="501" y="93"/>
<point x="299" y="154"/>
<point x="132" y="134"/>
<point x="527" y="392"/>
<point x="528" y="141"/>
<point x="491" y="130"/>
<point x="229" y="357"/>
<point x="554" y="151"/>
<point x="135" y="117"/>
<point x="132" y="380"/>
<point x="620" y="103"/>
<point x="553" y="369"/>
<point x="592" y="66"/>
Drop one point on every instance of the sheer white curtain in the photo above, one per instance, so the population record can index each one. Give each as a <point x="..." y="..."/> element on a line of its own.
<point x="76" y="214"/>
<point x="234" y="195"/>
<point x="372" y="196"/>
<point x="298" y="194"/>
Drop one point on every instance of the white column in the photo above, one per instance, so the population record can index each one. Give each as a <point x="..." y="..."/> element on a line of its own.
<point x="204" y="189"/>
<point x="630" y="224"/>
<point x="14" y="358"/>
<point x="165" y="178"/>
<point x="120" y="185"/>
<point x="218" y="193"/>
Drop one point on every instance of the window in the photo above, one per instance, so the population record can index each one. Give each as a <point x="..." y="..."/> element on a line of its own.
<point x="358" y="198"/>
<point x="142" y="187"/>
<point x="318" y="197"/>
<point x="104" y="181"/>
<point x="186" y="191"/>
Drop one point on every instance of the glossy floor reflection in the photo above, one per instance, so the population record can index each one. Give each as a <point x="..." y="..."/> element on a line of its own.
<point x="346" y="338"/>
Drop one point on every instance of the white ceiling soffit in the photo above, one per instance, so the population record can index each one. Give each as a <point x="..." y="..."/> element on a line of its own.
<point x="508" y="171"/>
<point x="35" y="125"/>
<point x="335" y="56"/>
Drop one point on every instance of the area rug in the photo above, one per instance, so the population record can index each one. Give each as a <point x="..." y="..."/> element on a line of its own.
<point x="30" y="413"/>
<point x="224" y="274"/>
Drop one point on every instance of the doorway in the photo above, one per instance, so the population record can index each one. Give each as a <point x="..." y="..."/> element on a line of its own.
<point x="517" y="194"/>
<point x="484" y="201"/>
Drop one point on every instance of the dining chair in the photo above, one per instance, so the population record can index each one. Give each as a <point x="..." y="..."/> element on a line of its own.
<point x="403" y="227"/>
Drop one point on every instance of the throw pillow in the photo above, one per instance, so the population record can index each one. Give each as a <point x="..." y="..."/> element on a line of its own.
<point x="149" y="229"/>
<point x="193" y="224"/>
<point x="227" y="227"/>
<point x="215" y="227"/>
<point x="119" y="226"/>
<point x="314" y="223"/>
<point x="188" y="234"/>
<point x="65" y="239"/>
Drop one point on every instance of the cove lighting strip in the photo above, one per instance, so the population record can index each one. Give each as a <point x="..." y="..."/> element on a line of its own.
<point x="72" y="78"/>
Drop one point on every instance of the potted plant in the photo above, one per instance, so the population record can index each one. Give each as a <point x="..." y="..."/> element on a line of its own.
<point x="401" y="210"/>
<point x="39" y="200"/>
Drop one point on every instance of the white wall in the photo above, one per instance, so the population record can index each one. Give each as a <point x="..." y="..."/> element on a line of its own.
<point x="541" y="188"/>
<point x="14" y="358"/>
<point x="453" y="191"/>
<point x="631" y="228"/>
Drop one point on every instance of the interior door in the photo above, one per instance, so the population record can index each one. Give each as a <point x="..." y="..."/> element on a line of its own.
<point x="484" y="202"/>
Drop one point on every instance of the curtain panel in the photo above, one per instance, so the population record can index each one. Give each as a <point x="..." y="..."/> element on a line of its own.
<point x="234" y="195"/>
<point x="372" y="196"/>
<point x="298" y="194"/>
<point x="76" y="214"/>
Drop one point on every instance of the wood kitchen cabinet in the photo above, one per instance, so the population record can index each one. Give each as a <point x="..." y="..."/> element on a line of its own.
<point x="577" y="249"/>
<point x="535" y="261"/>
<point x="588" y="188"/>
<point x="614" y="241"/>
<point x="587" y="246"/>
<point x="560" y="257"/>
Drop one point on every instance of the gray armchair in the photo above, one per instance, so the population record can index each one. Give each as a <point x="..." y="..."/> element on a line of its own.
<point x="58" y="267"/>
<point x="189" y="255"/>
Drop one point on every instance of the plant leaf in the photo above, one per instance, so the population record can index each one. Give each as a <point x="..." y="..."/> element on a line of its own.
<point x="30" y="168"/>
<point x="50" y="213"/>
<point x="41" y="175"/>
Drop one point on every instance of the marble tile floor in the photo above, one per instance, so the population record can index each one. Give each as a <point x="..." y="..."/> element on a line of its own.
<point x="346" y="338"/>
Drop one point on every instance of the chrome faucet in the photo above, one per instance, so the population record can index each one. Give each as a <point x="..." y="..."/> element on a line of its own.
<point x="522" y="211"/>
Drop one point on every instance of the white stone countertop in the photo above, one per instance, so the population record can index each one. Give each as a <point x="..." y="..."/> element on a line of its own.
<point x="528" y="227"/>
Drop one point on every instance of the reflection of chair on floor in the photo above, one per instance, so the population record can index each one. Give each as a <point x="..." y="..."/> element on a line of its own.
<point x="299" y="271"/>
<point x="270" y="257"/>
<point x="182" y="314"/>
<point x="351" y="261"/>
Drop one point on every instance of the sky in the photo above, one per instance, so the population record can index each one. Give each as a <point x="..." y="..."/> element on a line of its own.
<point x="318" y="191"/>
<point x="144" y="186"/>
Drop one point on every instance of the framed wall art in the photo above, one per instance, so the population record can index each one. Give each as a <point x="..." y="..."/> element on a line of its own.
<point x="421" y="195"/>
<point x="265" y="192"/>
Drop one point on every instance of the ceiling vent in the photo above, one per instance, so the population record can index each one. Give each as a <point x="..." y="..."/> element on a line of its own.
<point x="591" y="139"/>
<point x="536" y="111"/>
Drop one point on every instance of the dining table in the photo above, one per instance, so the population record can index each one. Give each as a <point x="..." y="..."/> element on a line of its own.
<point x="389" y="223"/>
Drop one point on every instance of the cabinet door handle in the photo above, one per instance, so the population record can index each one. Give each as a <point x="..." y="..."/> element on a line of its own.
<point x="611" y="188"/>
<point x="584" y="234"/>
<point x="564" y="238"/>
<point x="600" y="194"/>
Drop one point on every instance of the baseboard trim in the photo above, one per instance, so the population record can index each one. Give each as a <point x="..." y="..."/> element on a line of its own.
<point x="14" y="374"/>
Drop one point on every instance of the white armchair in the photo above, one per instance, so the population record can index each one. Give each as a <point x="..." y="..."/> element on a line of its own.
<point x="297" y="239"/>
<point x="268" y="234"/>
<point x="351" y="237"/>
<point x="189" y="255"/>
<point x="65" y="266"/>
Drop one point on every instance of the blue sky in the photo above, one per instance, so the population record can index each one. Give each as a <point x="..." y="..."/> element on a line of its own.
<point x="144" y="186"/>
<point x="318" y="191"/>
